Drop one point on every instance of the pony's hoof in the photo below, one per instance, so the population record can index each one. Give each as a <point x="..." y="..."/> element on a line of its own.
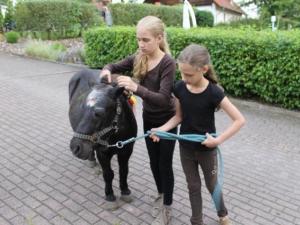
<point x="126" y="198"/>
<point x="98" y="170"/>
<point x="110" y="198"/>
<point x="91" y="164"/>
<point x="125" y="192"/>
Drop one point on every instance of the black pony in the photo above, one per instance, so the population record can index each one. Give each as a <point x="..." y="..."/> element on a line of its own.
<point x="100" y="116"/>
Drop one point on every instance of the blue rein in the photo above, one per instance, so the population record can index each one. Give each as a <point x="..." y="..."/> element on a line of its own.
<point x="216" y="195"/>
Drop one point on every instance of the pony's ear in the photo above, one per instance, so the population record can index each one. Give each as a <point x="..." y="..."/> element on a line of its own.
<point x="104" y="80"/>
<point x="117" y="91"/>
<point x="82" y="81"/>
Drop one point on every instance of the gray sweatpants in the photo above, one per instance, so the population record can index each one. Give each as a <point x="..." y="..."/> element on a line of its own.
<point x="190" y="161"/>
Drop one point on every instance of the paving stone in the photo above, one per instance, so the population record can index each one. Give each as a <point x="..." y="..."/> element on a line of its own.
<point x="58" y="220"/>
<point x="88" y="216"/>
<point x="40" y="220"/>
<point x="68" y="215"/>
<point x="7" y="212"/>
<point x="4" y="222"/>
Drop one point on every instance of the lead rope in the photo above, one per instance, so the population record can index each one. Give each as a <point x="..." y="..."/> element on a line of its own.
<point x="217" y="193"/>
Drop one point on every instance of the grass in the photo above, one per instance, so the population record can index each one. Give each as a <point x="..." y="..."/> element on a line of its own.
<point x="40" y="49"/>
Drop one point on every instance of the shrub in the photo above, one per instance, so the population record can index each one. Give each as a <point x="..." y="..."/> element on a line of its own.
<point x="104" y="47"/>
<point x="53" y="19"/>
<point x="12" y="37"/>
<point x="53" y="35"/>
<point x="1" y="21"/>
<point x="263" y="65"/>
<point x="129" y="14"/>
<point x="9" y="20"/>
<point x="204" y="18"/>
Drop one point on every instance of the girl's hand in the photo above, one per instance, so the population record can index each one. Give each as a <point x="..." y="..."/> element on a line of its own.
<point x="153" y="136"/>
<point x="127" y="83"/>
<point x="106" y="73"/>
<point x="210" y="141"/>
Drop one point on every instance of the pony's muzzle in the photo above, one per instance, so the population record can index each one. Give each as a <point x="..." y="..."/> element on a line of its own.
<point x="81" y="149"/>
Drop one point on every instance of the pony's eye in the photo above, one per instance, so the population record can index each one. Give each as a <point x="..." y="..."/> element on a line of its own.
<point x="99" y="111"/>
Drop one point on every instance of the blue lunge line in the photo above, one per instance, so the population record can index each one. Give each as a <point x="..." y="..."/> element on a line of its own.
<point x="216" y="195"/>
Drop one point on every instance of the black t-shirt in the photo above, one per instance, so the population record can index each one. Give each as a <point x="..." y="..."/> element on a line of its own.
<point x="198" y="111"/>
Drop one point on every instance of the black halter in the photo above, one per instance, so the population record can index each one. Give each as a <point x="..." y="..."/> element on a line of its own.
<point x="96" y="137"/>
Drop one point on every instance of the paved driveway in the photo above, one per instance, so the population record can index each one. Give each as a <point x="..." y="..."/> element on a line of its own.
<point x="42" y="183"/>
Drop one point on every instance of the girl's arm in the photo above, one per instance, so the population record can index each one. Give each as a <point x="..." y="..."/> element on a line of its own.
<point x="238" y="121"/>
<point x="119" y="67"/>
<point x="173" y="122"/>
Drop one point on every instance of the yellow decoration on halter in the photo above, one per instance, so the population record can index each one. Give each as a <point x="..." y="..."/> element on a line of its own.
<point x="132" y="100"/>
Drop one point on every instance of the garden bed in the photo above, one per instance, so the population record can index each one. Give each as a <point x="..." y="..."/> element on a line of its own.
<point x="73" y="46"/>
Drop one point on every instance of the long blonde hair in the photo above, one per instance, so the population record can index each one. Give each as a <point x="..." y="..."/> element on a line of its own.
<point x="198" y="56"/>
<point x="156" y="27"/>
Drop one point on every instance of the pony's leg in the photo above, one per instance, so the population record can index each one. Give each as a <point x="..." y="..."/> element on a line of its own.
<point x="108" y="175"/>
<point x="123" y="158"/>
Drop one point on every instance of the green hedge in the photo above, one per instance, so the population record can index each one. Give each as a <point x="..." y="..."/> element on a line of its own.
<point x="1" y="21"/>
<point x="204" y="18"/>
<point x="263" y="65"/>
<point x="129" y="14"/>
<point x="112" y="43"/>
<point x="63" y="18"/>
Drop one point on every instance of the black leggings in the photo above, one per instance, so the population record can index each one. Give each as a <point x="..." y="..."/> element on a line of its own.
<point x="161" y="159"/>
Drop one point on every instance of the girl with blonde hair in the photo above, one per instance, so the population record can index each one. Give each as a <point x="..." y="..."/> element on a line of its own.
<point x="154" y="70"/>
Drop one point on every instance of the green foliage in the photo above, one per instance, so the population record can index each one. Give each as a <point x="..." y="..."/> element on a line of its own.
<point x="107" y="45"/>
<point x="55" y="18"/>
<point x="286" y="11"/>
<point x="39" y="49"/>
<point x="244" y="24"/>
<point x="129" y="14"/>
<point x="3" y="2"/>
<point x="10" y="12"/>
<point x="204" y="18"/>
<point x="84" y="1"/>
<point x="52" y="35"/>
<point x="1" y="21"/>
<point x="263" y="65"/>
<point x="12" y="37"/>
<point x="59" y="47"/>
<point x="89" y="16"/>
<point x="263" y="23"/>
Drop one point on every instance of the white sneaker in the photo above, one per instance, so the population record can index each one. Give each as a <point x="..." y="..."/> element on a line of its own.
<point x="225" y="221"/>
<point x="164" y="217"/>
<point x="157" y="204"/>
